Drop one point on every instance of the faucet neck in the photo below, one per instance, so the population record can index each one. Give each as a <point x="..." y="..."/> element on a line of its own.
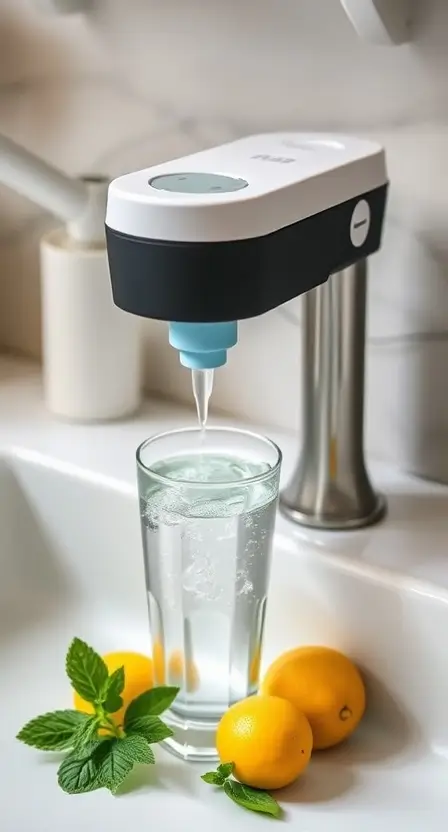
<point x="330" y="488"/>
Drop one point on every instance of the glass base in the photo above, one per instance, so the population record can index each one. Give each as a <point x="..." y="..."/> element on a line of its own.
<point x="192" y="739"/>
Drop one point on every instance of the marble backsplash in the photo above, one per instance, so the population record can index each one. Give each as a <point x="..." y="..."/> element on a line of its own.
<point x="134" y="83"/>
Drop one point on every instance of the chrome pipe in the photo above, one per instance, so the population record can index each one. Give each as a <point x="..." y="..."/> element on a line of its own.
<point x="330" y="487"/>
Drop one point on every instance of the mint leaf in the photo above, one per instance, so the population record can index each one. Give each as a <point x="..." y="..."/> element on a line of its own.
<point x="54" y="731"/>
<point x="103" y="763"/>
<point x="121" y="756"/>
<point x="114" y="686"/>
<point x="256" y="800"/>
<point x="150" y="703"/>
<point x="219" y="777"/>
<point x="79" y="771"/>
<point x="226" y="770"/>
<point x="113" y="703"/>
<point x="213" y="778"/>
<point x="136" y="749"/>
<point x="150" y="727"/>
<point x="86" y="670"/>
<point x="87" y="731"/>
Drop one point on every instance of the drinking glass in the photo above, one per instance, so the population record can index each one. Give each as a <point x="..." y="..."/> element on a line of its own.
<point x="208" y="503"/>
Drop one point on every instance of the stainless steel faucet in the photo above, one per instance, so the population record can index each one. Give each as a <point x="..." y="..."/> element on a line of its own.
<point x="330" y="488"/>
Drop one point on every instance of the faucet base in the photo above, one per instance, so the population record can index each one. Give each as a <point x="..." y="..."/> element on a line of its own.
<point x="328" y="522"/>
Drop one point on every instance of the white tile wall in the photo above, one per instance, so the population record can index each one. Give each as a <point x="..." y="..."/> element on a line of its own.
<point x="136" y="82"/>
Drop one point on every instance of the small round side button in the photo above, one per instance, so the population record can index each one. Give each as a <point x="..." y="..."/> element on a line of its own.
<point x="360" y="223"/>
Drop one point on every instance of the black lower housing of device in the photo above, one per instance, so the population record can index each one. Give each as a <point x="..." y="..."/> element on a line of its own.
<point x="229" y="281"/>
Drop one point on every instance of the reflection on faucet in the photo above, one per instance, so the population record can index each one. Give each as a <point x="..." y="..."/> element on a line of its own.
<point x="330" y="488"/>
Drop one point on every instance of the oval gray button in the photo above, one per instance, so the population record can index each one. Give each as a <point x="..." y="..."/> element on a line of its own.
<point x="360" y="223"/>
<point x="197" y="183"/>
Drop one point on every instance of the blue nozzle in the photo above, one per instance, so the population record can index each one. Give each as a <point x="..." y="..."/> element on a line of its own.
<point x="203" y="346"/>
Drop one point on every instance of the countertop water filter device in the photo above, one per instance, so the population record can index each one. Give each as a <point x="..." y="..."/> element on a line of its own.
<point x="229" y="233"/>
<point x="232" y="232"/>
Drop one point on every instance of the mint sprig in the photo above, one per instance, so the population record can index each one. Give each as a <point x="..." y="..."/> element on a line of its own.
<point x="256" y="800"/>
<point x="102" y="752"/>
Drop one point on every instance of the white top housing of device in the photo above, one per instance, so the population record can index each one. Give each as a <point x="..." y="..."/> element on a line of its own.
<point x="286" y="178"/>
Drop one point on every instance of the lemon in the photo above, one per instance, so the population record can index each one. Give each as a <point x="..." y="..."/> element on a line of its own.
<point x="158" y="658"/>
<point x="325" y="685"/>
<point x="138" y="678"/>
<point x="254" y="670"/>
<point x="268" y="740"/>
<point x="177" y="675"/>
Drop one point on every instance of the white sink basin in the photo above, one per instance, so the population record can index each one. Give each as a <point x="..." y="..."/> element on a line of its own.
<point x="71" y="564"/>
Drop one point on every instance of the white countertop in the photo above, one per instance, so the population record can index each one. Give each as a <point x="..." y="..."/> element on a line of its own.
<point x="411" y="544"/>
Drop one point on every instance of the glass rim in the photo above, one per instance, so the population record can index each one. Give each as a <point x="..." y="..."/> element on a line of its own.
<point x="216" y="484"/>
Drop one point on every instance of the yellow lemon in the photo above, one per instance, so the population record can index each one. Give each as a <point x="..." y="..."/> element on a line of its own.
<point x="176" y="672"/>
<point x="268" y="740"/>
<point x="254" y="670"/>
<point x="325" y="685"/>
<point x="138" y="678"/>
<point x="158" y="658"/>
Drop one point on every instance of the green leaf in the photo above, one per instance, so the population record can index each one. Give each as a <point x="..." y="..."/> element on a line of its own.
<point x="226" y="770"/>
<point x="120" y="759"/>
<point x="150" y="703"/>
<point x="254" y="799"/>
<point x="214" y="778"/>
<point x="114" y="686"/>
<point x="53" y="731"/>
<point x="137" y="749"/>
<point x="79" y="771"/>
<point x="87" y="731"/>
<point x="113" y="703"/>
<point x="86" y="670"/>
<point x="150" y="727"/>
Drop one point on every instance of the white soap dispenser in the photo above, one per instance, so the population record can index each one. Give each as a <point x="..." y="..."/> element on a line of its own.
<point x="91" y="349"/>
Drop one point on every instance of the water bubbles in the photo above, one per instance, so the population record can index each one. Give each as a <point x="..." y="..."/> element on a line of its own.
<point x="243" y="585"/>
<point x="177" y="500"/>
<point x="164" y="507"/>
<point x="219" y="507"/>
<point x="248" y="521"/>
<point x="199" y="578"/>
